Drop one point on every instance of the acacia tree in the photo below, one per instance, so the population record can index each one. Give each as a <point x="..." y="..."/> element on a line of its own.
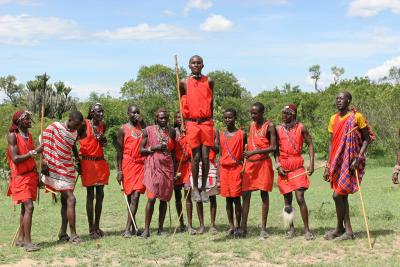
<point x="394" y="75"/>
<point x="315" y="72"/>
<point x="337" y="72"/>
<point x="15" y="92"/>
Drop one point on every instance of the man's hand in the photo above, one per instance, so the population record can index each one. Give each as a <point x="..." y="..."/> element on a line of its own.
<point x="282" y="171"/>
<point x="120" y="177"/>
<point x="39" y="148"/>
<point x="247" y="154"/>
<point x="79" y="167"/>
<point x="326" y="175"/>
<point x="45" y="169"/>
<point x="310" y="170"/>
<point x="354" y="164"/>
<point x="395" y="178"/>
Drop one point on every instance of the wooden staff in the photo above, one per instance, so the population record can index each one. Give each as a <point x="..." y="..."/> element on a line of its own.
<point x="179" y="90"/>
<point x="41" y="142"/>
<point x="363" y="209"/>
<point x="129" y="208"/>
<point x="180" y="215"/>
<point x="306" y="172"/>
<point x="352" y="130"/>
<point x="244" y="162"/>
<point x="15" y="236"/>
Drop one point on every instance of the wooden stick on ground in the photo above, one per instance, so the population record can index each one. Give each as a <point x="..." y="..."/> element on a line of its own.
<point x="180" y="215"/>
<point x="170" y="218"/>
<point x="15" y="236"/>
<point x="363" y="209"/>
<point x="129" y="208"/>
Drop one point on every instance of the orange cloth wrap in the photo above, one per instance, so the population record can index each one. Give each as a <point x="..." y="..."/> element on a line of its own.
<point x="258" y="174"/>
<point x="24" y="178"/>
<point x="230" y="164"/>
<point x="132" y="161"/>
<point x="94" y="172"/>
<point x="290" y="147"/>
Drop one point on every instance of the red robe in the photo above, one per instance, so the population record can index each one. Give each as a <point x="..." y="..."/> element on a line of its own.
<point x="95" y="170"/>
<point x="183" y="159"/>
<point x="258" y="174"/>
<point x="23" y="178"/>
<point x="199" y="97"/>
<point x="290" y="147"/>
<point x="230" y="164"/>
<point x="159" y="166"/>
<point x="132" y="161"/>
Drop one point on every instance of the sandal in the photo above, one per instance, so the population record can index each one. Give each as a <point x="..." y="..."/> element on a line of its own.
<point x="332" y="234"/>
<point x="31" y="247"/>
<point x="239" y="233"/>
<point x="94" y="235"/>
<point x="290" y="235"/>
<point x="191" y="231"/>
<point x="75" y="240"/>
<point x="100" y="232"/>
<point x="309" y="236"/>
<point x="230" y="232"/>
<point x="145" y="234"/>
<point x="63" y="237"/>
<point x="345" y="236"/>
<point x="213" y="231"/>
<point x="264" y="234"/>
<point x="126" y="234"/>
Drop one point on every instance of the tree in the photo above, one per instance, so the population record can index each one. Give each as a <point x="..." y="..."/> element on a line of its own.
<point x="337" y="72"/>
<point x="13" y="91"/>
<point x="225" y="85"/>
<point x="394" y="75"/>
<point x="315" y="72"/>
<point x="287" y="88"/>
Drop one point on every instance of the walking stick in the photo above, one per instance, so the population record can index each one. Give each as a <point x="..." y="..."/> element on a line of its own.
<point x="301" y="174"/>
<point x="129" y="208"/>
<point x="179" y="90"/>
<point x="244" y="162"/>
<point x="180" y="215"/>
<point x="41" y="155"/>
<point x="170" y="218"/>
<point x="363" y="209"/>
<point x="15" y="236"/>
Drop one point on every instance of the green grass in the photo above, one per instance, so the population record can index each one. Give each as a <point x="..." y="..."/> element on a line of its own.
<point x="381" y="199"/>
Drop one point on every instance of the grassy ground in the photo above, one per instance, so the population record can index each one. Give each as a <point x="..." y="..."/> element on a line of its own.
<point x="380" y="195"/>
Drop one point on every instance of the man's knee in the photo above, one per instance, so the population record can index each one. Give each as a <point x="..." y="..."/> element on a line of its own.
<point x="300" y="200"/>
<point x="196" y="157"/>
<point x="246" y="195"/>
<point x="71" y="200"/>
<point x="28" y="206"/>
<point x="100" y="195"/>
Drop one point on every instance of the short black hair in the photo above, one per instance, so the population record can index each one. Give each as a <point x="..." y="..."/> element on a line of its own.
<point x="132" y="107"/>
<point x="260" y="106"/>
<point x="76" y="115"/>
<point x="192" y="57"/>
<point x="347" y="93"/>
<point x="231" y="110"/>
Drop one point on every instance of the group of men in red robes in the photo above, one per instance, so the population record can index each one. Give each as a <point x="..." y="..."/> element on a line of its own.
<point x="160" y="160"/>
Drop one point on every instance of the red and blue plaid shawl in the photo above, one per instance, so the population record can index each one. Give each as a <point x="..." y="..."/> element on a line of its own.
<point x="342" y="179"/>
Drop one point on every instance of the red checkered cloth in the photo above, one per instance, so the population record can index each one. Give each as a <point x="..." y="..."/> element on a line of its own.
<point x="342" y="179"/>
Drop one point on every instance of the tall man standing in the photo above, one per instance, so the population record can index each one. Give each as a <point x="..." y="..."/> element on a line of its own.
<point x="131" y="163"/>
<point x="349" y="139"/>
<point x="95" y="170"/>
<point x="291" y="173"/>
<point x="198" y="91"/>
<point x="258" y="171"/>
<point x="23" y="178"/>
<point x="59" y="140"/>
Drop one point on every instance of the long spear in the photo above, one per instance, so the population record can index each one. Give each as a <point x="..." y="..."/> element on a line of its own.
<point x="179" y="90"/>
<point x="363" y="209"/>
<point x="41" y="131"/>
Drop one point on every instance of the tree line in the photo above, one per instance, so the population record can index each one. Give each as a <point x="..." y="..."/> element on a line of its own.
<point x="155" y="86"/>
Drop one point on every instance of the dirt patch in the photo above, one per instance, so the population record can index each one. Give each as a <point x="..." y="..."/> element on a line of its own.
<point x="24" y="263"/>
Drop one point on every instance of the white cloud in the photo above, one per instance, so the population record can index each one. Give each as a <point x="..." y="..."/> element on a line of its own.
<point x="168" y="13"/>
<point x="145" y="32"/>
<point x="216" y="23"/>
<point x="26" y="30"/>
<point x="197" y="4"/>
<point x="19" y="2"/>
<point x="383" y="70"/>
<point x="368" y="8"/>
<point x="82" y="91"/>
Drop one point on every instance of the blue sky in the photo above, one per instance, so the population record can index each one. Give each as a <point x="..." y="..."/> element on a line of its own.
<point x="98" y="45"/>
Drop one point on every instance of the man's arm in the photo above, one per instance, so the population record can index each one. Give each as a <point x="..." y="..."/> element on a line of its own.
<point x="216" y="146"/>
<point x="366" y="140"/>
<point x="396" y="170"/>
<point x="211" y="85"/>
<point x="326" y="172"/>
<point x="15" y="157"/>
<point x="182" y="86"/>
<point x="78" y="160"/>
<point x="271" y="135"/>
<point x="120" y="149"/>
<point x="307" y="138"/>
